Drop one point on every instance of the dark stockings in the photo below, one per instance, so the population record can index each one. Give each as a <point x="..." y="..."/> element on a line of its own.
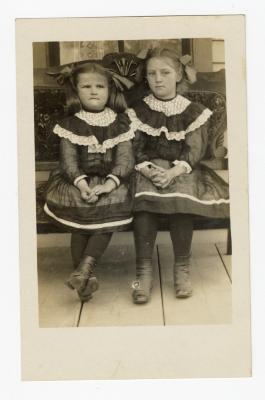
<point x="181" y="230"/>
<point x="88" y="245"/>
<point x="145" y="232"/>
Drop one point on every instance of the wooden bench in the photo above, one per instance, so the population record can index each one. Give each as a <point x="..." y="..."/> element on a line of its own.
<point x="49" y="108"/>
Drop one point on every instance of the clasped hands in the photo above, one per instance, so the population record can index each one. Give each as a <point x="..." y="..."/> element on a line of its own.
<point x="91" y="195"/>
<point x="162" y="177"/>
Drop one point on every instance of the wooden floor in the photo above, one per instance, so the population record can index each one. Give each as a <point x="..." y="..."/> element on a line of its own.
<point x="111" y="305"/>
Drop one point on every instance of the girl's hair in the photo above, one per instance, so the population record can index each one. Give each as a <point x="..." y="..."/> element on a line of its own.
<point x="116" y="99"/>
<point x="186" y="74"/>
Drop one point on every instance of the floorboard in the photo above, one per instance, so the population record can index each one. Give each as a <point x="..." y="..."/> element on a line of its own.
<point x="58" y="305"/>
<point x="211" y="302"/>
<point x="227" y="259"/>
<point x="112" y="304"/>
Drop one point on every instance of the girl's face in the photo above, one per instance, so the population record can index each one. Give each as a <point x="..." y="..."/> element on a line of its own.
<point x="93" y="91"/>
<point x="162" y="77"/>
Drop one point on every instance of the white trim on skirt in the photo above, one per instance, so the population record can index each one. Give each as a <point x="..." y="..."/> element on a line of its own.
<point x="90" y="226"/>
<point x="187" y="196"/>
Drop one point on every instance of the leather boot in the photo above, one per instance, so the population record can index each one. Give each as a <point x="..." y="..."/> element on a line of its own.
<point x="182" y="282"/>
<point x="143" y="284"/>
<point x="83" y="278"/>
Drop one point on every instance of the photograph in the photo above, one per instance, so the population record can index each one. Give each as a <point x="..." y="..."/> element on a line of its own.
<point x="132" y="188"/>
<point x="131" y="195"/>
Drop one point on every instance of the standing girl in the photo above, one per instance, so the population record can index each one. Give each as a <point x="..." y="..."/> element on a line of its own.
<point x="170" y="142"/>
<point x="89" y="193"/>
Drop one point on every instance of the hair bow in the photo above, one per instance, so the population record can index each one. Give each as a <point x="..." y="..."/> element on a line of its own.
<point x="185" y="60"/>
<point x="189" y="70"/>
<point x="63" y="75"/>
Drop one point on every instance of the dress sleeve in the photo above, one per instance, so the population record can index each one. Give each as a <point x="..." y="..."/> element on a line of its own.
<point x="124" y="161"/>
<point x="69" y="161"/>
<point x="195" y="146"/>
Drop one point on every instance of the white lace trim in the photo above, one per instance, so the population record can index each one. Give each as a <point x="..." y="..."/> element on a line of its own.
<point x="103" y="118"/>
<point x="91" y="141"/>
<point x="75" y="139"/>
<point x="149" y="130"/>
<point x="170" y="107"/>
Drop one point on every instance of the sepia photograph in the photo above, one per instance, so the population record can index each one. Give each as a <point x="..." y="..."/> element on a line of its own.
<point x="132" y="191"/>
<point x="131" y="207"/>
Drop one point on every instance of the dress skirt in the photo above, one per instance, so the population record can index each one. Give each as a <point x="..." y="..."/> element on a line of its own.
<point x="64" y="205"/>
<point x="202" y="192"/>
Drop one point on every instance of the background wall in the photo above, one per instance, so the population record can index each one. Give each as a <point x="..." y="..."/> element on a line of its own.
<point x="208" y="54"/>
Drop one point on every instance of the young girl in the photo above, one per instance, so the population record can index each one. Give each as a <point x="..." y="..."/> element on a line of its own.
<point x="169" y="144"/>
<point x="89" y="193"/>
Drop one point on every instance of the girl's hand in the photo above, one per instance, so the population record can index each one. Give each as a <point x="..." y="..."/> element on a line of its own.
<point x="92" y="198"/>
<point x="164" y="178"/>
<point x="88" y="196"/>
<point x="151" y="172"/>
<point x="107" y="187"/>
<point x="86" y="192"/>
<point x="97" y="190"/>
<point x="145" y="171"/>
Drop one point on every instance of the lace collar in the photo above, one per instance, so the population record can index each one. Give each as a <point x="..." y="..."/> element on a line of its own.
<point x="175" y="135"/>
<point x="102" y="118"/>
<point x="73" y="130"/>
<point x="167" y="107"/>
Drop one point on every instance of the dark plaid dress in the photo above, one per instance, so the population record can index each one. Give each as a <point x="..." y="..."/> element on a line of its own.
<point x="169" y="131"/>
<point x="93" y="145"/>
